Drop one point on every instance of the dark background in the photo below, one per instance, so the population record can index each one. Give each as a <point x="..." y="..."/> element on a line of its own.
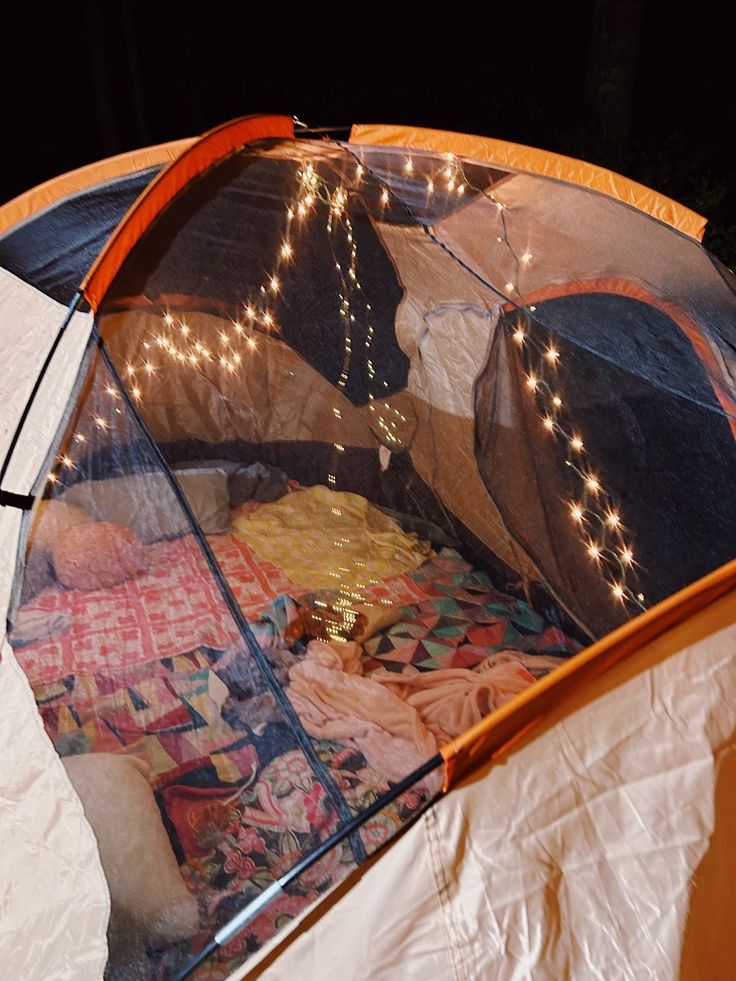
<point x="630" y="84"/>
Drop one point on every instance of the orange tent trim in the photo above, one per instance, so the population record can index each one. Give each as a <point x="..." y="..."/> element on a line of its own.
<point x="195" y="159"/>
<point x="46" y="195"/>
<point x="624" y="287"/>
<point x="530" y="159"/>
<point x="499" y="730"/>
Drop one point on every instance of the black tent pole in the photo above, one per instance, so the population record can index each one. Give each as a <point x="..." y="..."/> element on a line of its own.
<point x="238" y="922"/>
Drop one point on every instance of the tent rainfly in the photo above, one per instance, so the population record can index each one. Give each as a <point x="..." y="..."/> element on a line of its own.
<point x="368" y="547"/>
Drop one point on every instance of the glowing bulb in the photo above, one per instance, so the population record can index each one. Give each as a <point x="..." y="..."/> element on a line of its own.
<point x="223" y="337"/>
<point x="102" y="423"/>
<point x="67" y="461"/>
<point x="52" y="478"/>
<point x="509" y="287"/>
<point x="591" y="482"/>
<point x="236" y="358"/>
<point x="552" y="354"/>
<point x="448" y="173"/>
<point x="519" y="335"/>
<point x="618" y="590"/>
<point x="238" y="327"/>
<point x="593" y="550"/>
<point x="286" y="250"/>
<point x="267" y="319"/>
<point x="461" y="189"/>
<point x="526" y="258"/>
<point x="79" y="438"/>
<point x="612" y="519"/>
<point x="275" y="285"/>
<point x="301" y="210"/>
<point x="136" y="392"/>
<point x="408" y="166"/>
<point x="359" y="171"/>
<point x="576" y="512"/>
<point x="250" y="312"/>
<point x="627" y="556"/>
<point x="111" y="391"/>
<point x="185" y="330"/>
<point x="384" y="196"/>
<point x="430" y="185"/>
<point x="576" y="443"/>
<point x="548" y="423"/>
<point x="557" y="401"/>
<point x="129" y="370"/>
<point x="309" y="200"/>
<point x="531" y="382"/>
<point x="451" y="185"/>
<point x="148" y="367"/>
<point x="168" y="319"/>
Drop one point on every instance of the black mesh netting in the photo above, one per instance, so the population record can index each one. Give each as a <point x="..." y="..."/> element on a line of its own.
<point x="375" y="439"/>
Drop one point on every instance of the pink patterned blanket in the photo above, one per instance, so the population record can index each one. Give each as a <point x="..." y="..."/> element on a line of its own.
<point x="172" y="609"/>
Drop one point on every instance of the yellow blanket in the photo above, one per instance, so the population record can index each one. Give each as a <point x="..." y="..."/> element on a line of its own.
<point x="324" y="539"/>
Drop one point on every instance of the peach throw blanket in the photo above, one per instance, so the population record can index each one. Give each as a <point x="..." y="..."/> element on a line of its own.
<point x="399" y="721"/>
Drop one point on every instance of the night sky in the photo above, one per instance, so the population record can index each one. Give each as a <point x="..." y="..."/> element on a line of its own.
<point x="118" y="75"/>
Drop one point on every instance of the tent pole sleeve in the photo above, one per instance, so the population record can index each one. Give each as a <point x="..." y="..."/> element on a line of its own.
<point x="238" y="922"/>
<point x="72" y="309"/>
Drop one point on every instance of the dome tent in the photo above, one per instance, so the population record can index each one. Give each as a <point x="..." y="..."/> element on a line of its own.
<point x="474" y="347"/>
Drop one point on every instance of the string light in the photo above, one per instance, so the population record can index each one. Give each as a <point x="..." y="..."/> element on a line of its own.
<point x="616" y="558"/>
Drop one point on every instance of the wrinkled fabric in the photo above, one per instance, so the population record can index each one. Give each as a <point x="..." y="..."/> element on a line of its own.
<point x="452" y="700"/>
<point x="323" y="539"/>
<point x="398" y="721"/>
<point x="333" y="701"/>
<point x="591" y="849"/>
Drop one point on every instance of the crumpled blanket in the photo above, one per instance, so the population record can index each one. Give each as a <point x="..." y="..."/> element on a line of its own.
<point x="399" y="721"/>
<point x="325" y="539"/>
<point x="333" y="701"/>
<point x="451" y="700"/>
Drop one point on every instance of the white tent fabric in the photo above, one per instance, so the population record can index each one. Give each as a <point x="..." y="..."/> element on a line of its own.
<point x="572" y="855"/>
<point x="53" y="893"/>
<point x="576" y="855"/>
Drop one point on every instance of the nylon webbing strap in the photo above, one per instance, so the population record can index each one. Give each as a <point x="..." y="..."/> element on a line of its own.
<point x="24" y="502"/>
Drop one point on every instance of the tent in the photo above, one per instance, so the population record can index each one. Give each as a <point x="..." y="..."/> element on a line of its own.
<point x="368" y="559"/>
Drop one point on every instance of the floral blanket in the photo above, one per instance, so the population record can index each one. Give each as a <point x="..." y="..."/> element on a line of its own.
<point x="241" y="800"/>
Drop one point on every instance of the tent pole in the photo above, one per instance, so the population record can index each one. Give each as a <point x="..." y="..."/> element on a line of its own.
<point x="71" y="310"/>
<point x="238" y="922"/>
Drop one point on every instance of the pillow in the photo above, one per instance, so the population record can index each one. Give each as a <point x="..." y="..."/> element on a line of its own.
<point x="151" y="905"/>
<point x="246" y="482"/>
<point x="146" y="503"/>
<point x="98" y="555"/>
<point x="51" y="518"/>
<point x="49" y="521"/>
<point x="257" y="482"/>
